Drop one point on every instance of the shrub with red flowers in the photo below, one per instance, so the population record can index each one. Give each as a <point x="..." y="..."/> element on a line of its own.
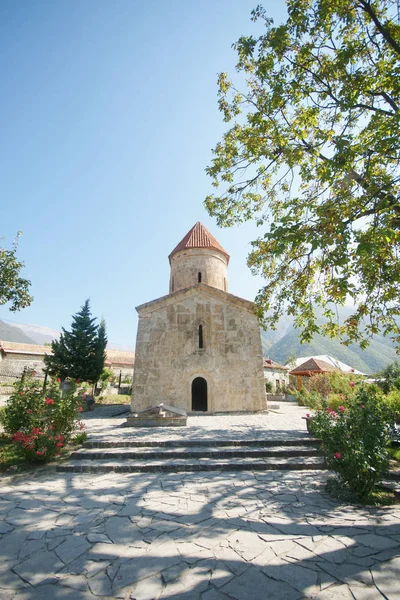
<point x="41" y="421"/>
<point x="354" y="439"/>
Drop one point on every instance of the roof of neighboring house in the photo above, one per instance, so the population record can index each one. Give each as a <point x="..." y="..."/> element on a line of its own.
<point x="199" y="237"/>
<point x="274" y="366"/>
<point x="113" y="356"/>
<point x="313" y="365"/>
<point x="18" y="348"/>
<point x="331" y="360"/>
<point x="119" y="357"/>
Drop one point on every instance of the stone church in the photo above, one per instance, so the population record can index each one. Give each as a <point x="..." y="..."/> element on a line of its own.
<point x="199" y="348"/>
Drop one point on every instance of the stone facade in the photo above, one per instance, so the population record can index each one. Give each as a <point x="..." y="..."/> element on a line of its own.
<point x="199" y="348"/>
<point x="198" y="265"/>
<point x="276" y="374"/>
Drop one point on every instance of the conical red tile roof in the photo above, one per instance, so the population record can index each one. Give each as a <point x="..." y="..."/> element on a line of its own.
<point x="199" y="237"/>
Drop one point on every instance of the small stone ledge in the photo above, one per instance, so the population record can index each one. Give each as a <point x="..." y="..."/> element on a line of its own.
<point x="161" y="415"/>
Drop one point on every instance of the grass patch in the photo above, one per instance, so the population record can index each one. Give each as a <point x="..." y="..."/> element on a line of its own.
<point x="9" y="455"/>
<point x="79" y="438"/>
<point x="113" y="399"/>
<point x="380" y="496"/>
<point x="394" y="453"/>
<point x="13" y="462"/>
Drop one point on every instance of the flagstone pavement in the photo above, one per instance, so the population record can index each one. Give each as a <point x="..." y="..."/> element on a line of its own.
<point x="209" y="536"/>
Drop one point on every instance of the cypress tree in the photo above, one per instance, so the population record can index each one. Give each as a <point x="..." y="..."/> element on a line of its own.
<point x="79" y="353"/>
<point x="101" y="345"/>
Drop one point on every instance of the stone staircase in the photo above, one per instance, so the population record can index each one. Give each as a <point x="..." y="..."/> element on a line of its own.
<point x="134" y="456"/>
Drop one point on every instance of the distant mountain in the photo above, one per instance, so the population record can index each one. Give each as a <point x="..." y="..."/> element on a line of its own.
<point x="374" y="358"/>
<point x="379" y="353"/>
<point x="10" y="333"/>
<point x="271" y="336"/>
<point x="38" y="333"/>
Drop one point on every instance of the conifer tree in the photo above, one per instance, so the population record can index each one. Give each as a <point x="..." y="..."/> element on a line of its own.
<point x="79" y="353"/>
<point x="101" y="349"/>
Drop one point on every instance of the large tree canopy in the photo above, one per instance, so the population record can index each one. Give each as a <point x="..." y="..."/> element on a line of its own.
<point x="312" y="154"/>
<point x="13" y="288"/>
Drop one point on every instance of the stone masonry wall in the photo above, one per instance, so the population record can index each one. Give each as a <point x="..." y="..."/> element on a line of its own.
<point x="187" y="264"/>
<point x="274" y="376"/>
<point x="168" y="356"/>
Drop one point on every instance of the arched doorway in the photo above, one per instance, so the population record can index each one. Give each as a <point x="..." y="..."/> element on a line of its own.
<point x="199" y="394"/>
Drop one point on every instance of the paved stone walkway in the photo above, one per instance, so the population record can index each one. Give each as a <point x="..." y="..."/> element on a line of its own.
<point x="108" y="422"/>
<point x="208" y="536"/>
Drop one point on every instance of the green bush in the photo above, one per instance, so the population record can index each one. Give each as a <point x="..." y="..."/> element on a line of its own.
<point x="106" y="377"/>
<point x="354" y="439"/>
<point x="393" y="401"/>
<point x="310" y="399"/>
<point x="333" y="401"/>
<point x="390" y="377"/>
<point x="332" y="382"/>
<point x="41" y="421"/>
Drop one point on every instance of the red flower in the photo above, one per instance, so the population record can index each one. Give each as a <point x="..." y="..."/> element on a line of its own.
<point x="80" y="409"/>
<point x="362" y="405"/>
<point x="352" y="384"/>
<point x="308" y="415"/>
<point x="337" y="455"/>
<point x="341" y="408"/>
<point x="58" y="379"/>
<point x="49" y="401"/>
<point x="59" y="445"/>
<point x="78" y="381"/>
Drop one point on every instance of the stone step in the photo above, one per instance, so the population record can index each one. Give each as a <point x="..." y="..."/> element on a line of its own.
<point x="202" y="464"/>
<point x="179" y="443"/>
<point x="115" y="453"/>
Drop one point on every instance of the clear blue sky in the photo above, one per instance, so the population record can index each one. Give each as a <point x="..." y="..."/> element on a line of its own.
<point x="108" y="117"/>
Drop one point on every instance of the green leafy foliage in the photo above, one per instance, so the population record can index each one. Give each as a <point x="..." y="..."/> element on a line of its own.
<point x="79" y="438"/>
<point x="79" y="353"/>
<point x="268" y="386"/>
<point x="41" y="421"/>
<point x="13" y="288"/>
<point x="100" y="359"/>
<point x="334" y="382"/>
<point x="106" y="376"/>
<point x="330" y="390"/>
<point x="390" y="377"/>
<point x="393" y="401"/>
<point x="312" y="154"/>
<point x="354" y="440"/>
